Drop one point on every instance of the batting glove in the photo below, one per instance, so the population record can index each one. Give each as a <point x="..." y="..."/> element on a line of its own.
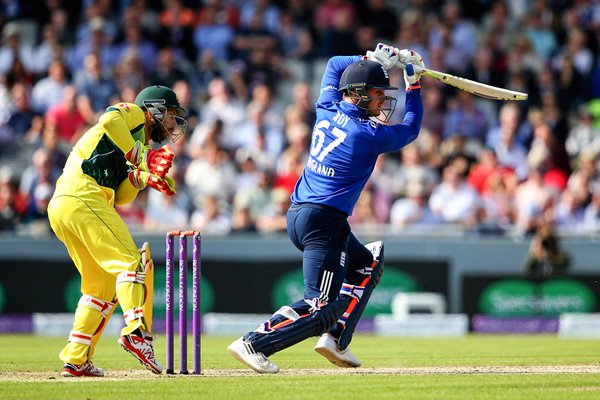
<point x="157" y="162"/>
<point x="141" y="179"/>
<point x="385" y="55"/>
<point x="406" y="56"/>
<point x="411" y="78"/>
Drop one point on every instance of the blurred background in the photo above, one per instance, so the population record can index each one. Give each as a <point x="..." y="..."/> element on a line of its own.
<point x="489" y="189"/>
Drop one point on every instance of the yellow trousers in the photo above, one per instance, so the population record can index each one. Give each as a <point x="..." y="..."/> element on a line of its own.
<point x="83" y="217"/>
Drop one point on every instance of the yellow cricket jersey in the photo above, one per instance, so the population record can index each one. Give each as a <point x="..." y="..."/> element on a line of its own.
<point x="100" y="152"/>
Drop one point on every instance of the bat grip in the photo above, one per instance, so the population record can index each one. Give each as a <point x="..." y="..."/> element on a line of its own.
<point x="418" y="69"/>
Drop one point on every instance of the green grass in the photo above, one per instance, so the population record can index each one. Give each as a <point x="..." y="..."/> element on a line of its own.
<point x="29" y="369"/>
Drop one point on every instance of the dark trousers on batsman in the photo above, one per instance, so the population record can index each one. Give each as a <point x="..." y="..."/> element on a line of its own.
<point x="332" y="258"/>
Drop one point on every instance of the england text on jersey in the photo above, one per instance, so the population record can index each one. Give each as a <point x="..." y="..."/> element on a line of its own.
<point x="319" y="168"/>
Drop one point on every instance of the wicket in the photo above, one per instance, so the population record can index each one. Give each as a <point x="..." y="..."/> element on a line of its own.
<point x="196" y="300"/>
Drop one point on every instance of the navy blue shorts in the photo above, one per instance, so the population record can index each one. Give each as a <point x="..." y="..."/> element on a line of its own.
<point x="331" y="252"/>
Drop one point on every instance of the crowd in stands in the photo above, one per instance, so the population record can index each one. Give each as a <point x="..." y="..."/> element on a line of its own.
<point x="248" y="73"/>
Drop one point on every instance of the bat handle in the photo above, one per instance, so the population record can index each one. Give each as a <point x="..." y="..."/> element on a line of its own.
<point x="418" y="69"/>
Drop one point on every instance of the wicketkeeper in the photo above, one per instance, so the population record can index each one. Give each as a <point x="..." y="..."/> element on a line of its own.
<point x="109" y="164"/>
<point x="340" y="273"/>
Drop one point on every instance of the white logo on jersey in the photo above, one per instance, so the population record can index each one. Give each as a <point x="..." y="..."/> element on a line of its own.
<point x="106" y="173"/>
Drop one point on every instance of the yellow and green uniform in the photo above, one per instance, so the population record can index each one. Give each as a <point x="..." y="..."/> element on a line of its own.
<point x="83" y="216"/>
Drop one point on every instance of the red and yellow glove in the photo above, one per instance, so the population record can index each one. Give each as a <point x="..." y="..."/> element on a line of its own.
<point x="157" y="162"/>
<point x="141" y="179"/>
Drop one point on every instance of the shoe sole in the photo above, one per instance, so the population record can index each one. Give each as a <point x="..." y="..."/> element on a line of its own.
<point x="238" y="357"/>
<point x="332" y="357"/>
<point x="146" y="365"/>
<point x="68" y="374"/>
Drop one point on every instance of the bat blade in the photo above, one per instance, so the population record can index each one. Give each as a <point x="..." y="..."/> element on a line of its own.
<point x="476" y="88"/>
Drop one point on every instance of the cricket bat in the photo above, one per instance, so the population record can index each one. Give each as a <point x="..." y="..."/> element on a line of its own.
<point x="476" y="88"/>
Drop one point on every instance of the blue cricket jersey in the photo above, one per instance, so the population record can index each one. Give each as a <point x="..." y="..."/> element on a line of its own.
<point x="346" y="143"/>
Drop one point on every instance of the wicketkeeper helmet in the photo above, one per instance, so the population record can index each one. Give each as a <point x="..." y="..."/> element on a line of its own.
<point x="158" y="100"/>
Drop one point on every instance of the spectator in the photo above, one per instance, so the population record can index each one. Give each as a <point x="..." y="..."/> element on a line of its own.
<point x="382" y="17"/>
<point x="412" y="211"/>
<point x="273" y="218"/>
<point x="434" y="110"/>
<point x="42" y="171"/>
<point x="591" y="214"/>
<point x="212" y="173"/>
<point x="51" y="47"/>
<point x="539" y="32"/>
<point x="186" y="98"/>
<point x="129" y="72"/>
<point x="510" y="152"/>
<point x="211" y="218"/>
<point x="177" y="22"/>
<point x="49" y="91"/>
<point x="326" y="12"/>
<point x="256" y="198"/>
<point x="24" y="125"/>
<point x="12" y="205"/>
<point x="533" y="197"/>
<point x="221" y="106"/>
<point x="467" y="118"/>
<point x="585" y="176"/>
<point x="241" y="221"/>
<point x="296" y="40"/>
<point x="163" y="214"/>
<point x="486" y="168"/>
<point x="456" y="35"/>
<point x="96" y="88"/>
<point x="413" y="169"/>
<point x="301" y="109"/>
<point x="167" y="70"/>
<point x="270" y="14"/>
<point x="66" y="118"/>
<point x="256" y="129"/>
<point x="453" y="201"/>
<point x="546" y="257"/>
<point x="15" y="48"/>
<point x="497" y="209"/>
<point x="134" y="41"/>
<point x="568" y="212"/>
<point x="340" y="38"/>
<point x="583" y="135"/>
<point x="94" y="42"/>
<point x="35" y="220"/>
<point x="213" y="34"/>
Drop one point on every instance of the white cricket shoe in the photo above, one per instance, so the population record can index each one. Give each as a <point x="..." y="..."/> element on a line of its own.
<point x="328" y="348"/>
<point x="142" y="349"/>
<point x="85" y="369"/>
<point x="243" y="352"/>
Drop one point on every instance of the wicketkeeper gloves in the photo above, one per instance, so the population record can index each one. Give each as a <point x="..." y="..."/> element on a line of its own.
<point x="157" y="162"/>
<point x="141" y="179"/>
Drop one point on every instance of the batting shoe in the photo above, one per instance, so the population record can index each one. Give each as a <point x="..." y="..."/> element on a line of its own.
<point x="327" y="347"/>
<point x="142" y="349"/>
<point x="85" y="369"/>
<point x="244" y="353"/>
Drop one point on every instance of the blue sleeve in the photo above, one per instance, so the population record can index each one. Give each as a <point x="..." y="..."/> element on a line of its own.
<point x="331" y="78"/>
<point x="394" y="137"/>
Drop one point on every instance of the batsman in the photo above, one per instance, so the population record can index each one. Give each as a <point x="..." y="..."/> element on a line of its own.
<point x="340" y="273"/>
<point x="108" y="166"/>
